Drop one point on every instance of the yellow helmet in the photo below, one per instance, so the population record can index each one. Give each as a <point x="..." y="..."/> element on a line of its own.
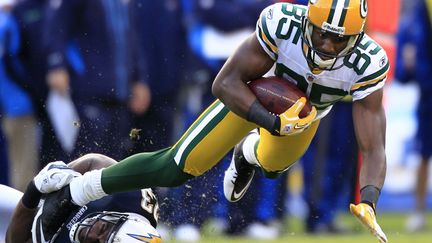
<point x="340" y="17"/>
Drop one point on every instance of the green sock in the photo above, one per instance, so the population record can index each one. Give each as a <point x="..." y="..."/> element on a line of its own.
<point x="144" y="170"/>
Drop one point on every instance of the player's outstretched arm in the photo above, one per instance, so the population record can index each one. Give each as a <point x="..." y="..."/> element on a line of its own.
<point x="370" y="125"/>
<point x="19" y="229"/>
<point x="52" y="177"/>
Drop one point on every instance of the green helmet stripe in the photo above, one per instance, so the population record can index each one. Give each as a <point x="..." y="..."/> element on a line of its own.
<point x="344" y="12"/>
<point x="332" y="11"/>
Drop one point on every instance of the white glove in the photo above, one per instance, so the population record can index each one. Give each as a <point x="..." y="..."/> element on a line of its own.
<point x="54" y="176"/>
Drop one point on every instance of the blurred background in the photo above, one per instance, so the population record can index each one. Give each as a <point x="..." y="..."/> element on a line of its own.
<point x="120" y="77"/>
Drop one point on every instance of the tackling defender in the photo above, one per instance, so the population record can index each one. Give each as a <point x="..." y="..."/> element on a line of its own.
<point x="121" y="217"/>
<point x="320" y="48"/>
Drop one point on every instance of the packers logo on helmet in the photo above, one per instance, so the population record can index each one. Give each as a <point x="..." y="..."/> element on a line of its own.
<point x="345" y="18"/>
<point x="363" y="8"/>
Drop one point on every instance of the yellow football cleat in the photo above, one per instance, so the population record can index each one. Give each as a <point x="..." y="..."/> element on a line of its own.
<point x="366" y="215"/>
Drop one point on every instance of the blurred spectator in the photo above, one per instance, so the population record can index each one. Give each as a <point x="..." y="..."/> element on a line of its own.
<point x="161" y="36"/>
<point x="105" y="77"/>
<point x="18" y="122"/>
<point x="330" y="170"/>
<point x="28" y="68"/>
<point x="414" y="62"/>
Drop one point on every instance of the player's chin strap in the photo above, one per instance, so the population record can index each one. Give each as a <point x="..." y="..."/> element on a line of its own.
<point x="87" y="188"/>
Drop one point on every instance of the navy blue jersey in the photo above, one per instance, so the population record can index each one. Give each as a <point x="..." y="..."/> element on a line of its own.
<point x="142" y="202"/>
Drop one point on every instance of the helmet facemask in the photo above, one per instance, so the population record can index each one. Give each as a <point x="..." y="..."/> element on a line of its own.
<point x="322" y="60"/>
<point x="118" y="227"/>
<point x="113" y="220"/>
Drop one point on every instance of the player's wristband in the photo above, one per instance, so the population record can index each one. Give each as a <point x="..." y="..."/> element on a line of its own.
<point x="369" y="194"/>
<point x="31" y="196"/>
<point x="260" y="116"/>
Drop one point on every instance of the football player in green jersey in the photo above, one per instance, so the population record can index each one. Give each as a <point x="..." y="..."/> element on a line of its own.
<point x="323" y="50"/>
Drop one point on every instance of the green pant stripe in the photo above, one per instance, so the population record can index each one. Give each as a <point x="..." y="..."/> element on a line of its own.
<point x="196" y="133"/>
<point x="210" y="126"/>
<point x="196" y="123"/>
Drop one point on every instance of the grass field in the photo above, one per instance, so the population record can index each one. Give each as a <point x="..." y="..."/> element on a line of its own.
<point x="392" y="224"/>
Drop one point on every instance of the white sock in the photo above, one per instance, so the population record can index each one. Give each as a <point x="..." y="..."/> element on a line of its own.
<point x="87" y="188"/>
<point x="249" y="148"/>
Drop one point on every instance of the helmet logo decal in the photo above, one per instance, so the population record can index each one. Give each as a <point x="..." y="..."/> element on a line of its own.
<point x="383" y="61"/>
<point x="313" y="1"/>
<point x="363" y="8"/>
<point x="334" y="29"/>
<point x="149" y="238"/>
<point x="76" y="217"/>
<point x="338" y="12"/>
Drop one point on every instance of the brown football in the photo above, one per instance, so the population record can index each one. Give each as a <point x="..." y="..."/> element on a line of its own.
<point x="277" y="94"/>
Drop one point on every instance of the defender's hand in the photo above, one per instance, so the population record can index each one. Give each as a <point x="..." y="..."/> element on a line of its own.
<point x="291" y="123"/>
<point x="366" y="215"/>
<point x="54" y="176"/>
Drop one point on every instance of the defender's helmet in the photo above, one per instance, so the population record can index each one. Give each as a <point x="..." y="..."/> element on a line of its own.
<point x="345" y="18"/>
<point x="115" y="227"/>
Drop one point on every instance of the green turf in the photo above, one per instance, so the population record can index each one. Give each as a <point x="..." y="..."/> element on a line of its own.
<point x="392" y="224"/>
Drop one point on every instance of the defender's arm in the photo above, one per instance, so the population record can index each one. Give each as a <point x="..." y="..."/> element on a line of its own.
<point x="19" y="230"/>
